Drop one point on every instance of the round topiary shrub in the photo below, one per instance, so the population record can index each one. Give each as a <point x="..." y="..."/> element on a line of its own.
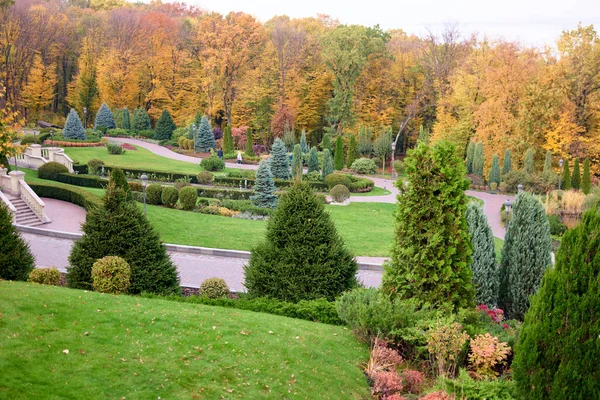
<point x="169" y="196"/>
<point x="212" y="163"/>
<point x="337" y="179"/>
<point x="45" y="276"/>
<point x="214" y="288"/>
<point x="340" y="193"/>
<point x="364" y="166"/>
<point x="51" y="169"/>
<point x="154" y="194"/>
<point x="95" y="166"/>
<point x="111" y="274"/>
<point x="188" y="196"/>
<point x="205" y="178"/>
<point x="115" y="149"/>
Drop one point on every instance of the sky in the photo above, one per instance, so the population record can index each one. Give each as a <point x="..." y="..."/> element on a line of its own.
<point x="531" y="22"/>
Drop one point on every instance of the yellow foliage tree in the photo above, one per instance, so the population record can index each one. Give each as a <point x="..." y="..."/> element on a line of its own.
<point x="41" y="85"/>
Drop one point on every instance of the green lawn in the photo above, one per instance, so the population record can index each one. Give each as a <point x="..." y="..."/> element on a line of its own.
<point x="72" y="344"/>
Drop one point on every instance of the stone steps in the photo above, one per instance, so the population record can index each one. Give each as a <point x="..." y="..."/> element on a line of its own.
<point x="24" y="215"/>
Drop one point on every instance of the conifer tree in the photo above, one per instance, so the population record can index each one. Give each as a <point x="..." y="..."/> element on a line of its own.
<point x="352" y="153"/>
<point x="249" y="143"/>
<point x="478" y="160"/>
<point x="119" y="228"/>
<point x="297" y="162"/>
<point x="141" y="120"/>
<point x="585" y="180"/>
<point x="264" y="188"/>
<point x="205" y="141"/>
<point x="576" y="177"/>
<point x="303" y="257"/>
<point x="326" y="142"/>
<point x="338" y="160"/>
<point x="528" y="164"/>
<point x="431" y="210"/>
<point x="327" y="163"/>
<point x="303" y="144"/>
<point x="73" y="127"/>
<point x="118" y="177"/>
<point x="470" y="157"/>
<point x="104" y="119"/>
<point x="506" y="163"/>
<point x="165" y="126"/>
<point x="313" y="160"/>
<point x="556" y="356"/>
<point x="279" y="161"/>
<point x="566" y="177"/>
<point x="16" y="260"/>
<point x="548" y="163"/>
<point x="483" y="260"/>
<point x="125" y="118"/>
<point x="227" y="140"/>
<point x="365" y="142"/>
<point x="525" y="255"/>
<point x="423" y="135"/>
<point x="494" y="175"/>
<point x="198" y="118"/>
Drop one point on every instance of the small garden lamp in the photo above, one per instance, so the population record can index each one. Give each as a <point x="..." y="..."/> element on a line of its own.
<point x="194" y="132"/>
<point x="393" y="153"/>
<point x="561" y="162"/>
<point x="520" y="188"/>
<point x="507" y="207"/>
<point x="84" y="117"/>
<point x="144" y="179"/>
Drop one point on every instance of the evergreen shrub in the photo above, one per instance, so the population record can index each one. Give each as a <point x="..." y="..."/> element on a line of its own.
<point x="111" y="275"/>
<point x="154" y="194"/>
<point x="16" y="260"/>
<point x="169" y="196"/>
<point x="188" y="196"/>
<point x="73" y="127"/>
<point x="51" y="170"/>
<point x="205" y="178"/>
<point x="45" y="276"/>
<point x="212" y="163"/>
<point x="364" y="166"/>
<point x="214" y="288"/>
<point x="104" y="119"/>
<point x="340" y="193"/>
<point x="265" y="193"/>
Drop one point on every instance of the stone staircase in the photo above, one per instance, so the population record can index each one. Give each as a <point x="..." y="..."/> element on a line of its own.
<point x="24" y="215"/>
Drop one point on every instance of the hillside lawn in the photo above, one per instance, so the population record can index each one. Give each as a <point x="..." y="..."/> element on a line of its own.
<point x="72" y="344"/>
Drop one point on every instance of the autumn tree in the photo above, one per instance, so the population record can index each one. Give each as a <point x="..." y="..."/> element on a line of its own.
<point x="83" y="89"/>
<point x="41" y="85"/>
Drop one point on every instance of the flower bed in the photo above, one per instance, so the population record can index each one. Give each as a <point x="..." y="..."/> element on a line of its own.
<point x="60" y="143"/>
<point x="127" y="146"/>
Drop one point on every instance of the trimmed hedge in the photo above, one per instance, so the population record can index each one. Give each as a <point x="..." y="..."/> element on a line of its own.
<point x="224" y="193"/>
<point x="73" y="195"/>
<point x="91" y="181"/>
<point x="81" y="169"/>
<point x="279" y="183"/>
<point x="51" y="169"/>
<point x="164" y="176"/>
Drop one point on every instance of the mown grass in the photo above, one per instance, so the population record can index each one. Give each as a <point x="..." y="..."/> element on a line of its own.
<point x="71" y="344"/>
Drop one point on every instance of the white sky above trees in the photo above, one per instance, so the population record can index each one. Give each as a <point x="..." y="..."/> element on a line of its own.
<point x="531" y="22"/>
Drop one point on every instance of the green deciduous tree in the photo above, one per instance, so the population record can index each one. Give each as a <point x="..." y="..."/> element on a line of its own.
<point x="506" y="163"/>
<point x="104" y="119"/>
<point x="483" y="260"/>
<point x="16" y="261"/>
<point x="327" y="163"/>
<point x="576" y="176"/>
<point x="470" y="157"/>
<point x="557" y="354"/>
<point x="264" y="188"/>
<point x="352" y="153"/>
<point x="494" y="175"/>
<point x="585" y="179"/>
<point x="227" y="140"/>
<point x="73" y="127"/>
<point x="525" y="255"/>
<point x="303" y="257"/>
<point x="313" y="160"/>
<point x="528" y="164"/>
<point x="432" y="250"/>
<point x="164" y="126"/>
<point x="478" y="160"/>
<point x="297" y="162"/>
<point x="338" y="157"/>
<point x="383" y="145"/>
<point x="205" y="141"/>
<point x="279" y="161"/>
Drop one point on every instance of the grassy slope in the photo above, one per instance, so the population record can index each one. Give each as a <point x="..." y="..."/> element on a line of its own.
<point x="148" y="349"/>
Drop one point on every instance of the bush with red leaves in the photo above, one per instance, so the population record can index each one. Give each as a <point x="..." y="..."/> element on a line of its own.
<point x="413" y="380"/>
<point x="386" y="382"/>
<point x="127" y="146"/>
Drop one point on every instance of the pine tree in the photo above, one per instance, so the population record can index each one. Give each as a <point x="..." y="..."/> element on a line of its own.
<point x="16" y="260"/>
<point x="279" y="161"/>
<point x="576" y="177"/>
<point x="264" y="188"/>
<point x="431" y="253"/>
<point x="73" y="127"/>
<point x="352" y="154"/>
<point x="365" y="143"/>
<point x="494" y="175"/>
<point x="303" y="143"/>
<point x="104" y="119"/>
<point x="165" y="126"/>
<point x="249" y="143"/>
<point x="483" y="261"/>
<point x="327" y="163"/>
<point x="141" y="120"/>
<point x="528" y="165"/>
<point x="303" y="257"/>
<point x="297" y="162"/>
<point x="478" y="160"/>
<point x="557" y="354"/>
<point x="470" y="157"/>
<point x="198" y="118"/>
<point x="585" y="180"/>
<point x="566" y="177"/>
<point x="118" y="177"/>
<point x="506" y="163"/>
<point x="338" y="160"/>
<point x="548" y="163"/>
<point x="326" y="142"/>
<point x="126" y="121"/>
<point x="525" y="255"/>
<point x="313" y="160"/>
<point x="119" y="228"/>
<point x="205" y="141"/>
<point x="227" y="140"/>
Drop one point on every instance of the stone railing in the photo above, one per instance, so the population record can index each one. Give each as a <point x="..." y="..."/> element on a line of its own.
<point x="17" y="187"/>
<point x="11" y="207"/>
<point x="35" y="156"/>
<point x="58" y="155"/>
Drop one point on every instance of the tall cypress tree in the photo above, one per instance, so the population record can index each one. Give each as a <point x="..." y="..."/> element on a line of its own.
<point x="528" y="164"/>
<point x="313" y="160"/>
<point x="227" y="140"/>
<point x="303" y="143"/>
<point x="264" y="188"/>
<point x="470" y="157"/>
<point x="73" y="127"/>
<point x="548" y="163"/>
<point x="249" y="143"/>
<point x="566" y="177"/>
<point x="326" y="142"/>
<point x="478" y="160"/>
<point x="494" y="175"/>
<point x="432" y="211"/>
<point x="279" y="161"/>
<point x="303" y="257"/>
<point x="576" y="177"/>
<point x="506" y="163"/>
<point x="338" y="160"/>
<point x="352" y="153"/>
<point x="557" y="354"/>
<point x="585" y="180"/>
<point x="525" y="255"/>
<point x="104" y="119"/>
<point x="327" y="163"/>
<point x="16" y="260"/>
<point x="205" y="141"/>
<point x="297" y="162"/>
<point x="165" y="126"/>
<point x="483" y="261"/>
<point x="125" y="119"/>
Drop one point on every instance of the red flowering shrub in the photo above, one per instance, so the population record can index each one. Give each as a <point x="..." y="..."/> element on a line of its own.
<point x="127" y="146"/>
<point x="413" y="380"/>
<point x="441" y="395"/>
<point x="386" y="383"/>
